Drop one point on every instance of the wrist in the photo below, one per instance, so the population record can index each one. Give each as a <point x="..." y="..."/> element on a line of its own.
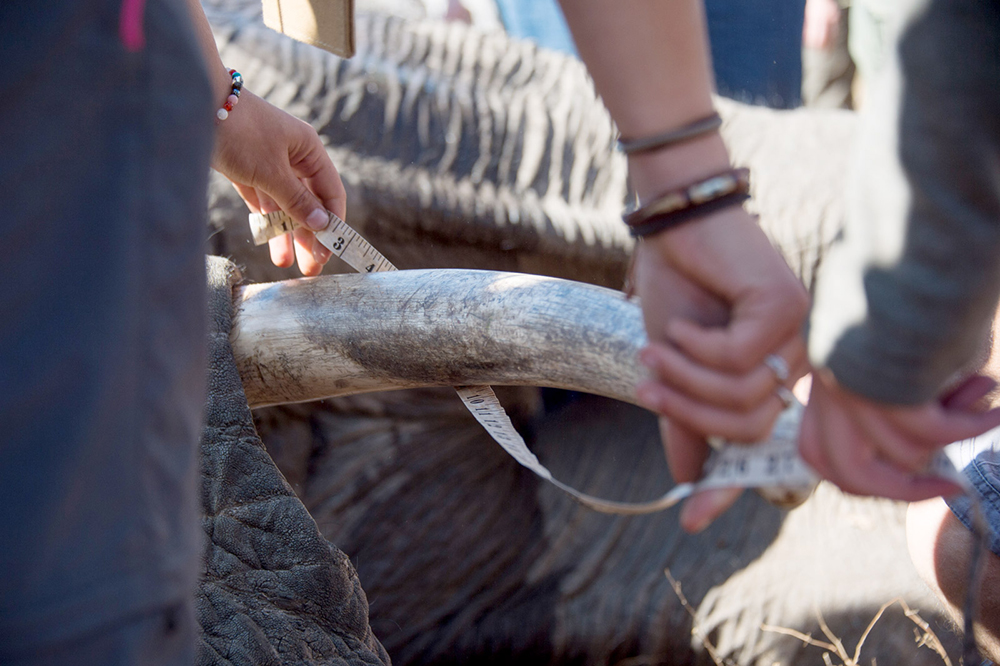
<point x="721" y="238"/>
<point x="660" y="171"/>
<point x="235" y="89"/>
<point x="222" y="83"/>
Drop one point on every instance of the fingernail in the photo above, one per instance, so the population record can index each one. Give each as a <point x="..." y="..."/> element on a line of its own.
<point x="317" y="220"/>
<point x="690" y="519"/>
<point x="646" y="358"/>
<point x="321" y="253"/>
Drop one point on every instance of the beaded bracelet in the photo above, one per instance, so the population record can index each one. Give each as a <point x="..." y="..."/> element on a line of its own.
<point x="728" y="188"/>
<point x="234" y="96"/>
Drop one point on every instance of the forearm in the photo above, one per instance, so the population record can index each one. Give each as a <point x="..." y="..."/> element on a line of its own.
<point x="650" y="62"/>
<point x="221" y="81"/>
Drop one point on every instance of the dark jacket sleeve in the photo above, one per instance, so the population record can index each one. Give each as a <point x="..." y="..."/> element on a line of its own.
<point x="908" y="292"/>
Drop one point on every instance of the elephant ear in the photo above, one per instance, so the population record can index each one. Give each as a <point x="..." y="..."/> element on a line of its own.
<point x="273" y="590"/>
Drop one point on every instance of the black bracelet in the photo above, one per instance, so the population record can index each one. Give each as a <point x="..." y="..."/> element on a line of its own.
<point x="686" y="133"/>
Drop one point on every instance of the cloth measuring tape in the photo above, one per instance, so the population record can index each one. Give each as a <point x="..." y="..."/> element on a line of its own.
<point x="774" y="466"/>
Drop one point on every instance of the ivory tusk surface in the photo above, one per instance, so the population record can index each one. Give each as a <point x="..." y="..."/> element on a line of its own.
<point x="334" y="335"/>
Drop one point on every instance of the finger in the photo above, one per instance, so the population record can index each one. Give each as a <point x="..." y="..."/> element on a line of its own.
<point x="249" y="196"/>
<point x="282" y="250"/>
<point x="751" y="426"/>
<point x="267" y="204"/>
<point x="290" y="248"/>
<point x="686" y="451"/>
<point x="702" y="508"/>
<point x="938" y="426"/>
<point x="305" y="242"/>
<point x="320" y="252"/>
<point x="740" y="346"/>
<point x="906" y="438"/>
<point x="904" y="452"/>
<point x="810" y="433"/>
<point x="855" y="467"/>
<point x="794" y="354"/>
<point x="738" y="392"/>
<point x="293" y="197"/>
<point x="795" y="357"/>
<point x="968" y="394"/>
<point x="279" y="247"/>
<point x="841" y="453"/>
<point x="882" y="479"/>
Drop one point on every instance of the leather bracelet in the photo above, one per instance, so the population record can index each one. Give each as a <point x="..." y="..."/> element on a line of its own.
<point x="728" y="188"/>
<point x="673" y="137"/>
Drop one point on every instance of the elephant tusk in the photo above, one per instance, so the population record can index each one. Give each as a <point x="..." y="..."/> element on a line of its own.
<point x="335" y="335"/>
<point x="314" y="338"/>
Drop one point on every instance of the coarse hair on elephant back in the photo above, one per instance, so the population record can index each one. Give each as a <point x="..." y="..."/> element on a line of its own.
<point x="458" y="148"/>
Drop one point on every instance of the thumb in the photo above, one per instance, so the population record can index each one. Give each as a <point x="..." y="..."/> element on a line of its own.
<point x="295" y="199"/>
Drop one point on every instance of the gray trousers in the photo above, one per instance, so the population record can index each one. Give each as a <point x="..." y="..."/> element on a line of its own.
<point x="104" y="157"/>
<point x="165" y="637"/>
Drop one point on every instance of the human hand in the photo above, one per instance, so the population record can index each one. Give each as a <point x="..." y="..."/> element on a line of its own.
<point x="871" y="448"/>
<point x="820" y="24"/>
<point x="277" y="161"/>
<point x="717" y="300"/>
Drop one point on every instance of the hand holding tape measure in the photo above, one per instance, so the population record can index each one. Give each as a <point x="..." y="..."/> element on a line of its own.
<point x="774" y="464"/>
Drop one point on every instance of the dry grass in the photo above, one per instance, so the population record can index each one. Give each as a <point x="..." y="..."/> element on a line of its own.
<point x="833" y="647"/>
<point x="925" y="637"/>
<point x="695" y="629"/>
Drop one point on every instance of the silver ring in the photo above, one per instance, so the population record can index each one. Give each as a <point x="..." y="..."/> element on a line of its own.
<point x="785" y="396"/>
<point x="778" y="366"/>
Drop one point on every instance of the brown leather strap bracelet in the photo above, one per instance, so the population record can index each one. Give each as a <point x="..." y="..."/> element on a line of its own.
<point x="728" y="188"/>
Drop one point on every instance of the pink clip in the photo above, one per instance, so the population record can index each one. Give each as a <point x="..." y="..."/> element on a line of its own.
<point x="130" y="25"/>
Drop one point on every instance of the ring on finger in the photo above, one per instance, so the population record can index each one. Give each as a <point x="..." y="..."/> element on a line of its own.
<point x="785" y="396"/>
<point x="778" y="366"/>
